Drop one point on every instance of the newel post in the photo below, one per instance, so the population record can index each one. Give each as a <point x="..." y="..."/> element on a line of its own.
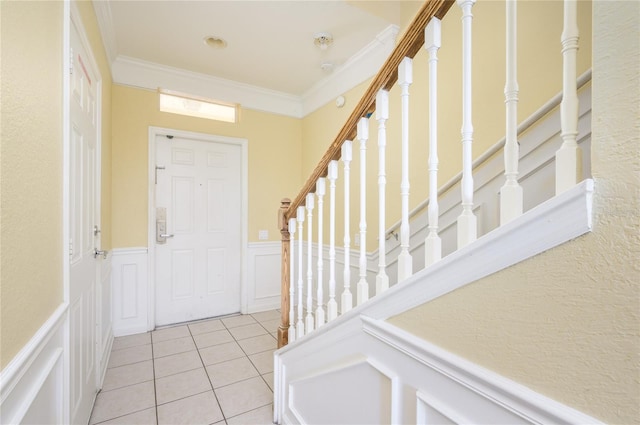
<point x="283" y="335"/>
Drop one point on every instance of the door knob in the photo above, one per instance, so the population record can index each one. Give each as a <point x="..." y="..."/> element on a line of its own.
<point x="165" y="236"/>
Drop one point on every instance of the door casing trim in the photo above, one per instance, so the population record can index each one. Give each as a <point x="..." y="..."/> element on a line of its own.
<point x="244" y="219"/>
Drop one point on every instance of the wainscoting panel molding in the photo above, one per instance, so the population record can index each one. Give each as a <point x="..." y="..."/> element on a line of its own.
<point x="130" y="291"/>
<point x="263" y="276"/>
<point x="32" y="386"/>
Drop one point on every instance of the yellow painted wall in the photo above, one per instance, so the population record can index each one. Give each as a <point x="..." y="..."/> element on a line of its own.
<point x="31" y="257"/>
<point x="274" y="161"/>
<point x="539" y="77"/>
<point x="31" y="235"/>
<point x="566" y="323"/>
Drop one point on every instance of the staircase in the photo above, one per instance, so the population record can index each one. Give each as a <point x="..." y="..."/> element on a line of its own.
<point x="340" y="361"/>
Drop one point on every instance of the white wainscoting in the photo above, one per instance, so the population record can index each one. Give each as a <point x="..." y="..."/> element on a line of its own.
<point x="401" y="379"/>
<point x="33" y="385"/>
<point x="263" y="276"/>
<point x="130" y="291"/>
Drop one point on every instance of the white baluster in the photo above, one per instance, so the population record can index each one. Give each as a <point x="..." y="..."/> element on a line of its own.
<point x="569" y="156"/>
<point x="363" y="286"/>
<point x="511" y="191"/>
<point x="308" y="326"/>
<point x="292" y="286"/>
<point x="382" y="115"/>
<point x="300" y="323"/>
<point x="332" y="305"/>
<point x="320" y="191"/>
<point x="347" y="298"/>
<point x="467" y="222"/>
<point x="432" y="42"/>
<point x="405" y="262"/>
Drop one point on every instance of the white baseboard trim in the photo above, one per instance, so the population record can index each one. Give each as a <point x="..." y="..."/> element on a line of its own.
<point x="32" y="386"/>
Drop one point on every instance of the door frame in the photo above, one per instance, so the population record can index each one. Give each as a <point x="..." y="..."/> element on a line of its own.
<point x="151" y="228"/>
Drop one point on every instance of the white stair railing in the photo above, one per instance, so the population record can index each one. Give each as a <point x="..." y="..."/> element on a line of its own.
<point x="432" y="42"/>
<point x="568" y="172"/>
<point x="363" y="286"/>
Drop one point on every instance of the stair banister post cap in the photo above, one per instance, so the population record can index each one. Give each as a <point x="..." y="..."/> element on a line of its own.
<point x="300" y="215"/>
<point x="310" y="201"/>
<point x="320" y="187"/>
<point x="332" y="172"/>
<point x="432" y="34"/>
<point x="405" y="71"/>
<point x="346" y="151"/>
<point x="382" y="105"/>
<point x="363" y="129"/>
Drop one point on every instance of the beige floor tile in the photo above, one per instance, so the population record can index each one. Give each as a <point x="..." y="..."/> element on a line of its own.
<point x="258" y="344"/>
<point x="263" y="361"/>
<point x="231" y="371"/>
<point x="170" y="333"/>
<point x="212" y="338"/>
<point x="264" y="316"/>
<point x="143" y="417"/>
<point x="207" y="326"/>
<point x="176" y="363"/>
<point x="123" y="401"/>
<point x="131" y="341"/>
<point x="247" y="331"/>
<point x="271" y="325"/>
<point x="221" y="353"/>
<point x="260" y="416"/>
<point x="198" y="409"/>
<point x="130" y="355"/>
<point x="181" y="385"/>
<point x="235" y="321"/>
<point x="244" y="396"/>
<point x="173" y="346"/>
<point x="268" y="377"/>
<point x="122" y="376"/>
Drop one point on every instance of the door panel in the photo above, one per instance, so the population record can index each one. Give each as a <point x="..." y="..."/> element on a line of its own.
<point x="83" y="206"/>
<point x="198" y="268"/>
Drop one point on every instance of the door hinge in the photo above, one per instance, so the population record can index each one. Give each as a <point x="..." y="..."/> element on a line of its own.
<point x="70" y="247"/>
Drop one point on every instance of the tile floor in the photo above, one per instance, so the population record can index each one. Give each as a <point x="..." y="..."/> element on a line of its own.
<point x="217" y="371"/>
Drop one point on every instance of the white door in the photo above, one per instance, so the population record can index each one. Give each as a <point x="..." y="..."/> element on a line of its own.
<point x="83" y="214"/>
<point x="198" y="210"/>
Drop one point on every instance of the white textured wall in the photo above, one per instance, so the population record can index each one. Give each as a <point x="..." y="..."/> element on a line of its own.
<point x="567" y="322"/>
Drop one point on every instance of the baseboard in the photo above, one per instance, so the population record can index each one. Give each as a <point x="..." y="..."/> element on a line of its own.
<point x="32" y="386"/>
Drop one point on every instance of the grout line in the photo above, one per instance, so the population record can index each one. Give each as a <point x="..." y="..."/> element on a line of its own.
<point x="224" y="418"/>
<point x="248" y="411"/>
<point x="155" y="394"/>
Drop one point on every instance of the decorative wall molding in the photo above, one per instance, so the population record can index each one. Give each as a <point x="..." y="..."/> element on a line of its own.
<point x="411" y="380"/>
<point x="263" y="276"/>
<point x="147" y="75"/>
<point x="32" y="385"/>
<point x="130" y="291"/>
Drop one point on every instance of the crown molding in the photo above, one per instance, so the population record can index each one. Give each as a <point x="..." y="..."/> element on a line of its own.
<point x="358" y="68"/>
<point x="148" y="75"/>
<point x="102" y="10"/>
<point x="138" y="73"/>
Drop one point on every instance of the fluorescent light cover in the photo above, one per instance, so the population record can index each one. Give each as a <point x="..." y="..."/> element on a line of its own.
<point x="194" y="107"/>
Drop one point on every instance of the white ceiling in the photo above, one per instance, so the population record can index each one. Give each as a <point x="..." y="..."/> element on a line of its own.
<point x="270" y="43"/>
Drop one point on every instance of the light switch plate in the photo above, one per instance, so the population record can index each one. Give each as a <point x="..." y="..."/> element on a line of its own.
<point x="263" y="235"/>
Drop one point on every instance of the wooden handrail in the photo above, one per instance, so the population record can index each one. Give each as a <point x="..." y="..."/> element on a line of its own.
<point x="408" y="46"/>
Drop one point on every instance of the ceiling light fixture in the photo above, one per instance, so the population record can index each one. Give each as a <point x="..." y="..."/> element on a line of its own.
<point x="215" y="42"/>
<point x="323" y="40"/>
